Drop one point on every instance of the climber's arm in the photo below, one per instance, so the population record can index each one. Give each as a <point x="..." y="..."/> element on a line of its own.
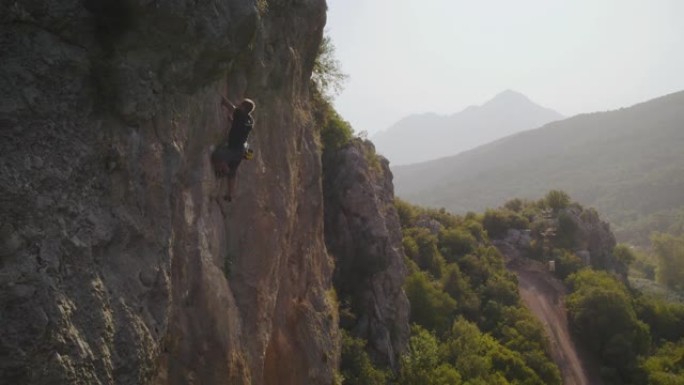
<point x="227" y="103"/>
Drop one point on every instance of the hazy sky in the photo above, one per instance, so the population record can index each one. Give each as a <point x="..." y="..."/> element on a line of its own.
<point x="410" y="56"/>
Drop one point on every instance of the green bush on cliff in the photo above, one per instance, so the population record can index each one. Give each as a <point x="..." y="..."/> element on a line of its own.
<point x="407" y="213"/>
<point x="326" y="81"/>
<point x="334" y="131"/>
<point x="327" y="76"/>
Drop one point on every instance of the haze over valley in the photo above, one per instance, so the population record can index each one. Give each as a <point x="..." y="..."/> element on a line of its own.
<point x="428" y="136"/>
<point x="627" y="163"/>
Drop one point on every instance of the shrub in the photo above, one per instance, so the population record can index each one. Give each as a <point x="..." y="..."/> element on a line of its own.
<point x="458" y="288"/>
<point x="430" y="306"/>
<point x="502" y="290"/>
<point x="557" y="200"/>
<point x="601" y="314"/>
<point x="624" y="255"/>
<point x="497" y="222"/>
<point x="356" y="366"/>
<point x="475" y="228"/>
<point x="428" y="256"/>
<point x="666" y="319"/>
<point x="567" y="228"/>
<point x="407" y="213"/>
<point x="421" y="364"/>
<point x="515" y="205"/>
<point x="567" y="263"/>
<point x="335" y="131"/>
<point x="666" y="366"/>
<point x="456" y="242"/>
<point x="327" y="76"/>
<point x="670" y="252"/>
<point x="466" y="347"/>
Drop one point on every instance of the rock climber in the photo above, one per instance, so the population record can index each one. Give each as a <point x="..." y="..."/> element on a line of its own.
<point x="227" y="156"/>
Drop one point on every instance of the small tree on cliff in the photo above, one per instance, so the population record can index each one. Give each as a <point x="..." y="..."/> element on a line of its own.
<point x="326" y="82"/>
<point x="327" y="75"/>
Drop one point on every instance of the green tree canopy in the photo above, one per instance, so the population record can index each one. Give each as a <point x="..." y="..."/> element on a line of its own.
<point x="601" y="314"/>
<point x="557" y="200"/>
<point x="327" y="75"/>
<point x="431" y="307"/>
<point x="421" y="365"/>
<point x="670" y="252"/>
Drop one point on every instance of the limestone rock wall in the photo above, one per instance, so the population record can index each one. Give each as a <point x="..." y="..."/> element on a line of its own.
<point x="363" y="233"/>
<point x="118" y="265"/>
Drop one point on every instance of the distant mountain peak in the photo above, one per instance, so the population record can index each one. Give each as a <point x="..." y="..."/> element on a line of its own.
<point x="422" y="137"/>
<point x="508" y="97"/>
<point x="605" y="160"/>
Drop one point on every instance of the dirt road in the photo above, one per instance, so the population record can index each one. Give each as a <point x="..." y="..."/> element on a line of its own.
<point x="544" y="296"/>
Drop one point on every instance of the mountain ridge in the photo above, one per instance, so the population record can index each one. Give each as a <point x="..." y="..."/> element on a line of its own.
<point x="625" y="152"/>
<point x="427" y="136"/>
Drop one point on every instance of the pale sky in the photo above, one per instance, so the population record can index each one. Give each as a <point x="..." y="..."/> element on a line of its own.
<point x="414" y="56"/>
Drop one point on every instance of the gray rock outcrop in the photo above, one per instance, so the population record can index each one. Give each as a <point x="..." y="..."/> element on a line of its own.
<point x="575" y="228"/>
<point x="118" y="265"/>
<point x="363" y="234"/>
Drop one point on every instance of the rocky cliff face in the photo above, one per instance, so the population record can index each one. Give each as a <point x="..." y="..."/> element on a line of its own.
<point x="363" y="233"/>
<point x="117" y="262"/>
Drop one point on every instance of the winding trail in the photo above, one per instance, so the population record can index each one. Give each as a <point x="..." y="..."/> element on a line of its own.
<point x="544" y="295"/>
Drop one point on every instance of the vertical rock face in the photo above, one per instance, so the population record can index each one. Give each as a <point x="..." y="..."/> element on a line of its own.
<point x="118" y="265"/>
<point x="363" y="233"/>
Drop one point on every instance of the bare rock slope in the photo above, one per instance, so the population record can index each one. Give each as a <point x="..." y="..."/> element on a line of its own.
<point x="117" y="264"/>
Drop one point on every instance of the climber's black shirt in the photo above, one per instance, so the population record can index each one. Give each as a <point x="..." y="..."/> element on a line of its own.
<point x="239" y="131"/>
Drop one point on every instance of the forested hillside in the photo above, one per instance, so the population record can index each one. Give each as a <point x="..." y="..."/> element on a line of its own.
<point x="631" y="337"/>
<point x="470" y="326"/>
<point x="628" y="164"/>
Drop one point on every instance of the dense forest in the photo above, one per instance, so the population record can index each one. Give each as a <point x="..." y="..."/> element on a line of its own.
<point x="636" y="338"/>
<point x="470" y="326"/>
